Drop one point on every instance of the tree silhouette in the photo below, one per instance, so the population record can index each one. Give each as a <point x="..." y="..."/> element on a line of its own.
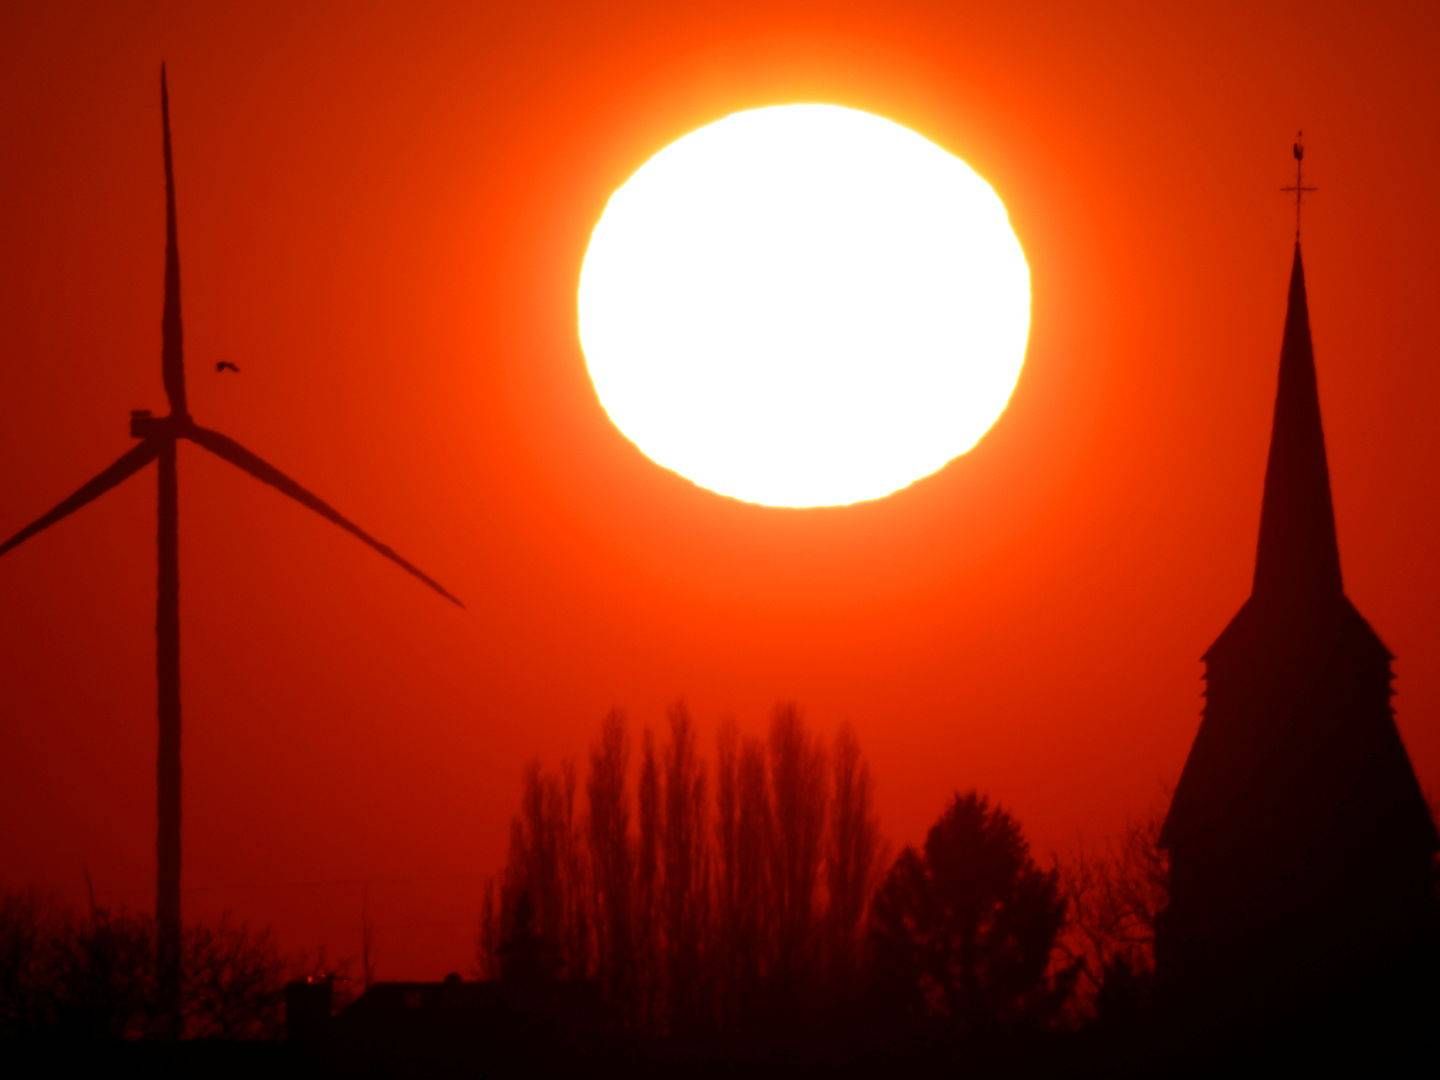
<point x="854" y="858"/>
<point x="726" y="934"/>
<point x="685" y="865"/>
<point x="93" y="975"/>
<point x="1117" y="894"/>
<point x="611" y="862"/>
<point x="647" y="1005"/>
<point x="234" y="981"/>
<point x="527" y="960"/>
<point x="799" y="796"/>
<point x="744" y="914"/>
<point x="736" y="901"/>
<point x="542" y="894"/>
<point x="965" y="930"/>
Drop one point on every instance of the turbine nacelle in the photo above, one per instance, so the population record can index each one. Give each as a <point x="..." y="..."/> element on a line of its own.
<point x="144" y="424"/>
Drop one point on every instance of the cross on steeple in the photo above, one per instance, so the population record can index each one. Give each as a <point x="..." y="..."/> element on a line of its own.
<point x="1299" y="187"/>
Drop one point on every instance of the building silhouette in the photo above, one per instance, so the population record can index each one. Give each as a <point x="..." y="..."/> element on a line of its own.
<point x="1301" y="846"/>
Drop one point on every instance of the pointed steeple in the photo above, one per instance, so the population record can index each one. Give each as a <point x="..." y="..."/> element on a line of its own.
<point x="1298" y="558"/>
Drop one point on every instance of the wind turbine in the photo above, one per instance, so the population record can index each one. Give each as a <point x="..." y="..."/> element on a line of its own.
<point x="159" y="438"/>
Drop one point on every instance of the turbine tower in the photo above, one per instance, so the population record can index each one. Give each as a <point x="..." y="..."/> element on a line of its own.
<point x="159" y="438"/>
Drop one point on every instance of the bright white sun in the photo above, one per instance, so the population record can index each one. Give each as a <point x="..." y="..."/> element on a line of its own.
<point x="804" y="305"/>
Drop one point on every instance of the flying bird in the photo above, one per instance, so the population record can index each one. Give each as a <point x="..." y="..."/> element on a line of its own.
<point x="226" y="365"/>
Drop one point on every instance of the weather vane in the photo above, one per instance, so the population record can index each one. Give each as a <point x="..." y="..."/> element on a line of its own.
<point x="1299" y="187"/>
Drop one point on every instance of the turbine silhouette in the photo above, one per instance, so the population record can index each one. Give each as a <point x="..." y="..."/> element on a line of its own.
<point x="159" y="438"/>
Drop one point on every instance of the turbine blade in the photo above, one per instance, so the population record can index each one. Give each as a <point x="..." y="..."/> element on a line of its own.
<point x="223" y="446"/>
<point x="172" y="338"/>
<point x="131" y="462"/>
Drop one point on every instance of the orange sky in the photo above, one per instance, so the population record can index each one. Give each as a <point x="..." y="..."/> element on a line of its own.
<point x="382" y="215"/>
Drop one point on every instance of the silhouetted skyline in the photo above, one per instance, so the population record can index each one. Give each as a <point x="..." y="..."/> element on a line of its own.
<point x="384" y="217"/>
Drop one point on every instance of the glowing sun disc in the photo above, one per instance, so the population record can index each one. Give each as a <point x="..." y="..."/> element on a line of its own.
<point x="804" y="305"/>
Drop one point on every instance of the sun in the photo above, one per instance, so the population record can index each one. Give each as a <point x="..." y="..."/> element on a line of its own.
<point x="804" y="305"/>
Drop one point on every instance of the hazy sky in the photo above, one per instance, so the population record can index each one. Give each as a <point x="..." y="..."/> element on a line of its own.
<point x="382" y="214"/>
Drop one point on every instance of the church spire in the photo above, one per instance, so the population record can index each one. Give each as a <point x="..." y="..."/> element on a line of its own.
<point x="1298" y="558"/>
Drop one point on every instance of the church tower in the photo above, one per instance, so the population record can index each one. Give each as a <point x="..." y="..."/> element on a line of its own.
<point x="1301" y="847"/>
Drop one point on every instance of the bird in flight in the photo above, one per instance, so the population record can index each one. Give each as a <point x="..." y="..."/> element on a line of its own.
<point x="226" y="365"/>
